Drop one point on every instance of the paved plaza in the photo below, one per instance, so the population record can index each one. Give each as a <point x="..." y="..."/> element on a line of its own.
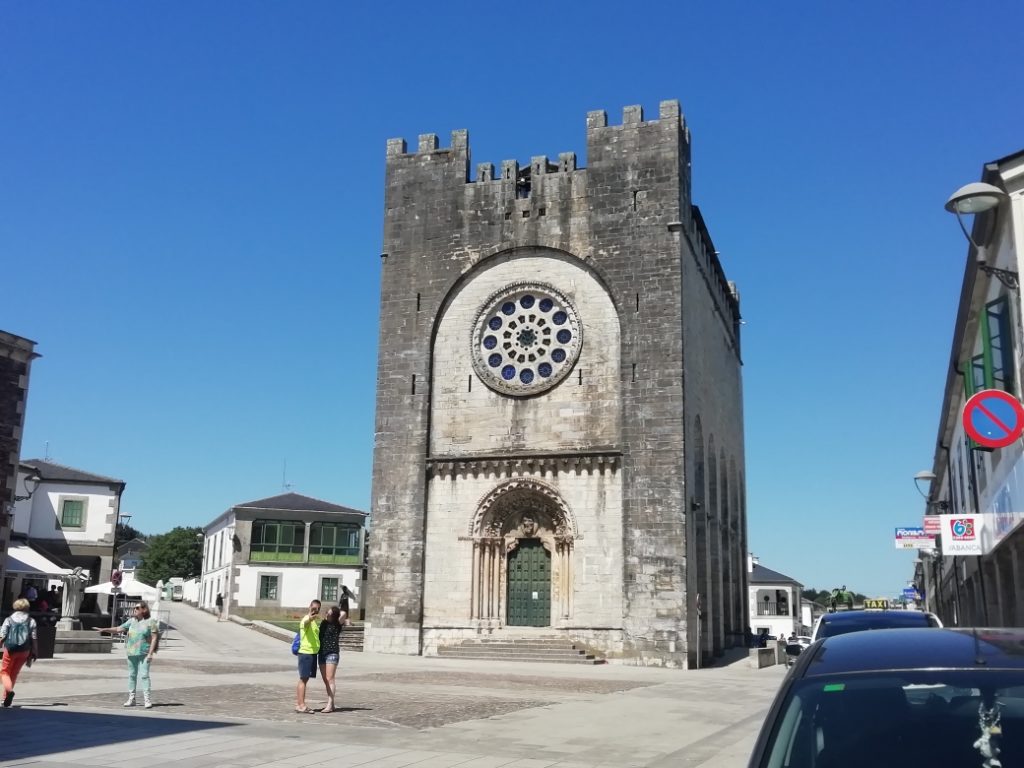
<point x="224" y="698"/>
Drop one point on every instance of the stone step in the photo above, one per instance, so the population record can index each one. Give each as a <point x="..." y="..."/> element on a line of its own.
<point x="94" y="644"/>
<point x="539" y="648"/>
<point x="352" y="638"/>
<point x="545" y="642"/>
<point x="517" y="648"/>
<point x="535" y="657"/>
<point x="514" y="647"/>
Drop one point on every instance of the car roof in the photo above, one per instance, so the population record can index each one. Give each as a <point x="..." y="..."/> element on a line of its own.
<point x="917" y="648"/>
<point x="839" y="617"/>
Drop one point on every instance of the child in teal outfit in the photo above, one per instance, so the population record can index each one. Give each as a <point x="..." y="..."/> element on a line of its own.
<point x="142" y="637"/>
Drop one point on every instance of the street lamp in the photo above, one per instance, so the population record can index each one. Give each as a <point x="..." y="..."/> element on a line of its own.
<point x="978" y="197"/>
<point x="121" y="518"/>
<point x="31" y="486"/>
<point x="925" y="476"/>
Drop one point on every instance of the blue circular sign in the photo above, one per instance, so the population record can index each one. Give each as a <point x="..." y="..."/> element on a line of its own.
<point x="993" y="418"/>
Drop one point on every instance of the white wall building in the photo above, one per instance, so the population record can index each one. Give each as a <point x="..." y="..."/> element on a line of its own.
<point x="273" y="556"/>
<point x="68" y="521"/>
<point x="775" y="601"/>
<point x="809" y="613"/>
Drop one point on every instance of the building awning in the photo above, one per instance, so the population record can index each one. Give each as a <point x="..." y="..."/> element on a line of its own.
<point x="25" y="561"/>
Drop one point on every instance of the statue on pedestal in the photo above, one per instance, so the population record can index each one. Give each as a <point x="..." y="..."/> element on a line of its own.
<point x="74" y="584"/>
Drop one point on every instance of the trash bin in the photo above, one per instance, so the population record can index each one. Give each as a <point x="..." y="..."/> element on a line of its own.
<point x="46" y="634"/>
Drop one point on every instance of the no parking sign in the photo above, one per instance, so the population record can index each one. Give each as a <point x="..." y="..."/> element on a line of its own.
<point x="993" y="418"/>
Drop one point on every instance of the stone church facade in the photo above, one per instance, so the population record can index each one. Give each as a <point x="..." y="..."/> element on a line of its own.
<point x="559" y="432"/>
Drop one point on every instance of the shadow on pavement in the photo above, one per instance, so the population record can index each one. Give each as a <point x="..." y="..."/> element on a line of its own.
<point x="22" y="727"/>
<point x="340" y="710"/>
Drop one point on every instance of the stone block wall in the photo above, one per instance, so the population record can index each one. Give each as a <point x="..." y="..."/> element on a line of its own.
<point x="16" y="356"/>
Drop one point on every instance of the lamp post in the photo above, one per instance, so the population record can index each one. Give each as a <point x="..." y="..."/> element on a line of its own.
<point x="979" y="197"/>
<point x="121" y="518"/>
<point x="31" y="486"/>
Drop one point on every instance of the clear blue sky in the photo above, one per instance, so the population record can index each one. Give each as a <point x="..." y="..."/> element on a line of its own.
<point x="191" y="217"/>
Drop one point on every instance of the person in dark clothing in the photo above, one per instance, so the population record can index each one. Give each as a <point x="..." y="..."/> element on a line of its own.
<point x="219" y="602"/>
<point x="343" y="601"/>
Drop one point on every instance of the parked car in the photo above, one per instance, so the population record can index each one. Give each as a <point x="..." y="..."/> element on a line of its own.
<point x="795" y="649"/>
<point x="843" y="622"/>
<point x="903" y="698"/>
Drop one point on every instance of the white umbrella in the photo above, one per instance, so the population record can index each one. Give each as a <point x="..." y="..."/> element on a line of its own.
<point x="128" y="588"/>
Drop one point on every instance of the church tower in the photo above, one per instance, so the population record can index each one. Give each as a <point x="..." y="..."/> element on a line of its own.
<point x="559" y="429"/>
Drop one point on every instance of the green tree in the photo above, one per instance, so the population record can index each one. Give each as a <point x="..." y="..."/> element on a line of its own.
<point x="179" y="552"/>
<point x="126" y="533"/>
<point x="819" y="596"/>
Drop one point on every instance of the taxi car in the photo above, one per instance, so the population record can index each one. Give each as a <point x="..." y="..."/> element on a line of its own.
<point x="843" y="622"/>
<point x="904" y="697"/>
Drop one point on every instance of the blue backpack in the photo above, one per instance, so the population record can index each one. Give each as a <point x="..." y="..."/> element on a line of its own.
<point x="18" y="636"/>
<point x="295" y="644"/>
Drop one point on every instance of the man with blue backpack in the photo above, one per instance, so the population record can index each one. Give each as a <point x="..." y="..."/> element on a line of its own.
<point x="18" y="637"/>
<point x="307" y="649"/>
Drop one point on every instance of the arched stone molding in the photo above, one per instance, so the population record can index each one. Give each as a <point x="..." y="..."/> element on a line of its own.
<point x="711" y="554"/>
<point x="520" y="509"/>
<point x="719" y="544"/>
<point x="731" y="560"/>
<point x="698" y="525"/>
<point x="548" y="246"/>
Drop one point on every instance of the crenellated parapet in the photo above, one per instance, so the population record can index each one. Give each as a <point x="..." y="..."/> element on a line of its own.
<point x="597" y="121"/>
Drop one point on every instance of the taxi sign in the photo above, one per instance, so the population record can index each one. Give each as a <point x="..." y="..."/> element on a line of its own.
<point x="876" y="604"/>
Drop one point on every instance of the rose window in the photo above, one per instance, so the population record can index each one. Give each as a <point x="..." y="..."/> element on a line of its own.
<point x="526" y="339"/>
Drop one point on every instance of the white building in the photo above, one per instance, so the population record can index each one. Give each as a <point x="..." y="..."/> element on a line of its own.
<point x="271" y="557"/>
<point x="68" y="521"/>
<point x="130" y="554"/>
<point x="775" y="601"/>
<point x="985" y="589"/>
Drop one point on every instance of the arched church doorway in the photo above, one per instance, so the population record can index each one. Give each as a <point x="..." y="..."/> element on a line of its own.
<point x="529" y="585"/>
<point x="523" y="543"/>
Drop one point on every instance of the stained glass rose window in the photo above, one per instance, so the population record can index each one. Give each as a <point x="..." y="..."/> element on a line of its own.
<point x="526" y="339"/>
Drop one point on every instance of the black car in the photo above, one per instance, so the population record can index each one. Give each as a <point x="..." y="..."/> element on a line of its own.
<point x="841" y="622"/>
<point x="902" y="698"/>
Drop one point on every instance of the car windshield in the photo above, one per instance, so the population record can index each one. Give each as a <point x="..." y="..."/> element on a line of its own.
<point x="842" y="623"/>
<point x="918" y="719"/>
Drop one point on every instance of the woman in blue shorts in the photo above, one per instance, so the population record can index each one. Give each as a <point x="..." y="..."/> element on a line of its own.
<point x="330" y="651"/>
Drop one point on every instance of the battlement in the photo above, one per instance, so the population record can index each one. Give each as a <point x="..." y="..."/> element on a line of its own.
<point x="633" y="117"/>
<point x="597" y="120"/>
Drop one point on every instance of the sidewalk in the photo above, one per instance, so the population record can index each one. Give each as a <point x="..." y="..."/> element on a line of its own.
<point x="225" y="696"/>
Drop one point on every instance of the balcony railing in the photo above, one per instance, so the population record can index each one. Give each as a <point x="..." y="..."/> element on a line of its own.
<point x="772" y="609"/>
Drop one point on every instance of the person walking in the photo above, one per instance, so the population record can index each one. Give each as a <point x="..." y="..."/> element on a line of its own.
<point x="343" y="602"/>
<point x="142" y="638"/>
<point x="219" y="602"/>
<point x="18" y="637"/>
<point x="309" y="651"/>
<point x="330" y="651"/>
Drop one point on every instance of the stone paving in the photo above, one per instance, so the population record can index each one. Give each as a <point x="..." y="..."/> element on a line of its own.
<point x="224" y="699"/>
